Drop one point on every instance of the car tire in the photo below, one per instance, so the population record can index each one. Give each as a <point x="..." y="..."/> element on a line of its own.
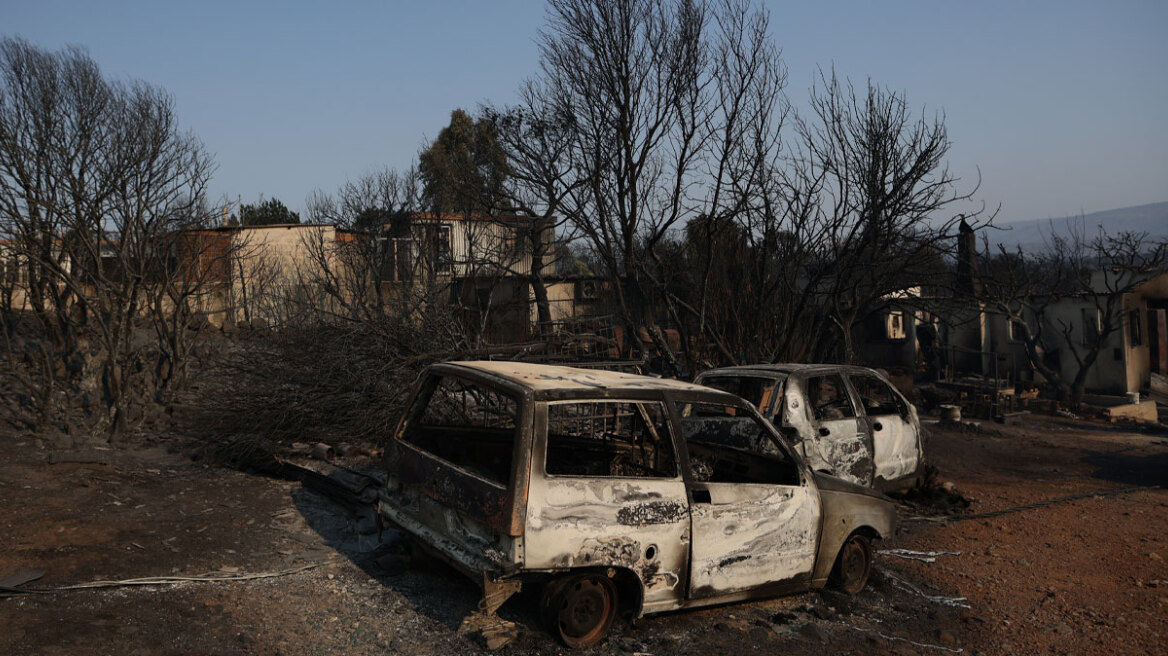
<point x="853" y="565"/>
<point x="580" y="609"/>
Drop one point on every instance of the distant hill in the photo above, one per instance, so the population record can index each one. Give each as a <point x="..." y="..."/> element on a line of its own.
<point x="1034" y="234"/>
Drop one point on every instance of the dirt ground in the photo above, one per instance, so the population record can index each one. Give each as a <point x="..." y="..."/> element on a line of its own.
<point x="297" y="574"/>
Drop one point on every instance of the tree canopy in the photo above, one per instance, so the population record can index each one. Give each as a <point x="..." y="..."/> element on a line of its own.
<point x="464" y="169"/>
<point x="268" y="212"/>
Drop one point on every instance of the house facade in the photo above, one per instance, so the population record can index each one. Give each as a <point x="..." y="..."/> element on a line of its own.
<point x="968" y="337"/>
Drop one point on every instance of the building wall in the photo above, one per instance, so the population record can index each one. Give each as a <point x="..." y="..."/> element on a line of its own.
<point x="1108" y="374"/>
<point x="561" y="300"/>
<point x="1009" y="350"/>
<point x="268" y="265"/>
<point x="1141" y="306"/>
<point x="1122" y="365"/>
<point x="482" y="246"/>
<point x="879" y="345"/>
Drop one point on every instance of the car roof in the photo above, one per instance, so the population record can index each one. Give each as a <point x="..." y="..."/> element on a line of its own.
<point x="545" y="377"/>
<point x="788" y="368"/>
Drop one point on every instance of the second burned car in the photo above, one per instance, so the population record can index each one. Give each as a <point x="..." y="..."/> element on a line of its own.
<point x="845" y="420"/>
<point x="616" y="492"/>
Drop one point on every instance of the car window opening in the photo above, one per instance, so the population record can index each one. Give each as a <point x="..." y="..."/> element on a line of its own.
<point x="602" y="439"/>
<point x="466" y="424"/>
<point x="729" y="445"/>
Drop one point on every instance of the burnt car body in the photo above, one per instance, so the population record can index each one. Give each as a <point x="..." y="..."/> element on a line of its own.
<point x="613" y="489"/>
<point x="844" y="420"/>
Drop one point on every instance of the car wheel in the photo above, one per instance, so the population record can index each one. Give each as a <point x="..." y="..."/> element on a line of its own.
<point x="853" y="565"/>
<point x="580" y="610"/>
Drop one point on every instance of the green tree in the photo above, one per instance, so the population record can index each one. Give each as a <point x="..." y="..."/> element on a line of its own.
<point x="464" y="169"/>
<point x="268" y="212"/>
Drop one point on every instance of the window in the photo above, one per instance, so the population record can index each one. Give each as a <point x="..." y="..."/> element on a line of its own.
<point x="508" y="245"/>
<point x="404" y="254"/>
<point x="829" y="398"/>
<point x="728" y="445"/>
<point x="1017" y="332"/>
<point x="513" y="240"/>
<point x="438" y="241"/>
<point x="1135" y="334"/>
<point x="395" y="259"/>
<point x="483" y="299"/>
<point x="609" y="438"/>
<point x="894" y="325"/>
<point x="759" y="391"/>
<point x="467" y="424"/>
<point x="15" y="271"/>
<point x="1092" y="326"/>
<point x="385" y="258"/>
<point x="877" y="397"/>
<point x="521" y="238"/>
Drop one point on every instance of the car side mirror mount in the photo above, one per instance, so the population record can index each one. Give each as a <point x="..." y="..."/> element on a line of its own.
<point x="790" y="433"/>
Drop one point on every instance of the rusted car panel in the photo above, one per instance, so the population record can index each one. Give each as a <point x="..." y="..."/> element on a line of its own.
<point x="592" y="482"/>
<point x="471" y="546"/>
<point x="457" y="489"/>
<point x="848" y="508"/>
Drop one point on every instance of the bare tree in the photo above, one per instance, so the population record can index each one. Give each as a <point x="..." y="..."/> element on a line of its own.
<point x="537" y="137"/>
<point x="676" y="116"/>
<point x="629" y="73"/>
<point x="374" y="268"/>
<point x="718" y="289"/>
<point x="889" y="206"/>
<point x="93" y="175"/>
<point x="1067" y="302"/>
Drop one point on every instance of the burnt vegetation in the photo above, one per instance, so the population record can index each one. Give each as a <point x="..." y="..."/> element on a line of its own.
<point x="656" y="155"/>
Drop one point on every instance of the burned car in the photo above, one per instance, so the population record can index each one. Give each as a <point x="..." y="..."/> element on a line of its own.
<point x="844" y="420"/>
<point x="616" y="493"/>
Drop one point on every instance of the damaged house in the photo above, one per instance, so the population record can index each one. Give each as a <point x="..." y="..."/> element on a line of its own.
<point x="488" y="266"/>
<point x="1102" y="326"/>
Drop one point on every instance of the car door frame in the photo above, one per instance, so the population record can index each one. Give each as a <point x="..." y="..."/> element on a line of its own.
<point x="863" y="432"/>
<point x="742" y="499"/>
<point x="640" y="524"/>
<point x="875" y="423"/>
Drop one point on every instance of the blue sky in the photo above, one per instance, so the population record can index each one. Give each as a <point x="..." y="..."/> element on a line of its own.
<point x="1062" y="105"/>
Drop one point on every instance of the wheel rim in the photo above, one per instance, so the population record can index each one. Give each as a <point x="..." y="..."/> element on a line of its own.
<point x="586" y="609"/>
<point x="854" y="563"/>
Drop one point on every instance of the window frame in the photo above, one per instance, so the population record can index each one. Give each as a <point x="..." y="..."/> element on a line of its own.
<point x="670" y="439"/>
<point x="1135" y="333"/>
<point x="786" y="454"/>
<point x="843" y="387"/>
<point x="419" y="404"/>
<point x="856" y="379"/>
<point x="774" y="405"/>
<point x="900" y="332"/>
<point x="1014" y="330"/>
<point x="1092" y="335"/>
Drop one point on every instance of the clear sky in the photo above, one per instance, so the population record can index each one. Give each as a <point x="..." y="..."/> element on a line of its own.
<point x="1063" y="105"/>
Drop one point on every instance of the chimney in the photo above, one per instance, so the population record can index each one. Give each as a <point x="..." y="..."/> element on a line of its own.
<point x="967" y="282"/>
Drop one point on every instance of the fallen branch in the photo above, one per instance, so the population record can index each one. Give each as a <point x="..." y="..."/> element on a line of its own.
<point x="892" y="638"/>
<point x="1031" y="506"/>
<point x="922" y="556"/>
<point x="212" y="577"/>
<point x="956" y="602"/>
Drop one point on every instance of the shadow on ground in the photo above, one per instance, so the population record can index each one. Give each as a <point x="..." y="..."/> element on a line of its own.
<point x="1141" y="468"/>
<point x="434" y="588"/>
